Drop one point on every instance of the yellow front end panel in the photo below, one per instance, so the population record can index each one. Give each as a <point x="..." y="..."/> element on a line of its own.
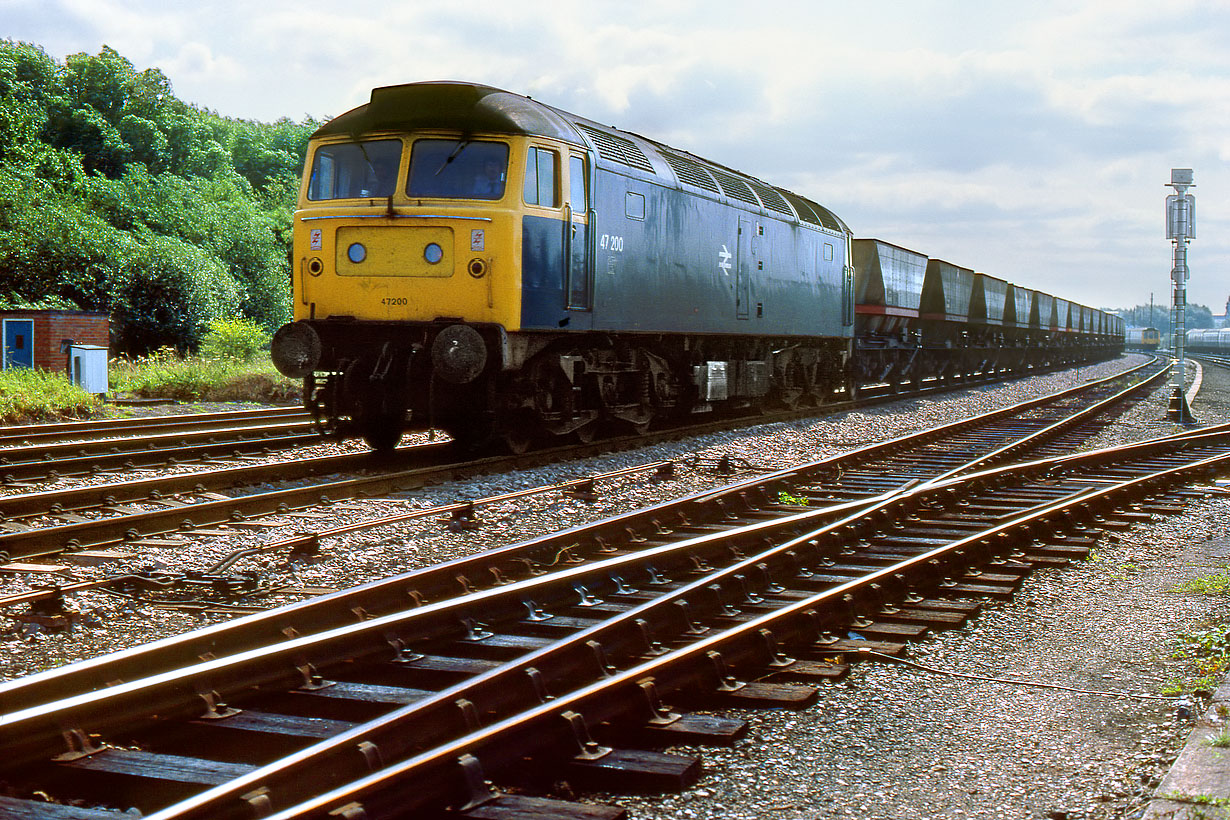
<point x="394" y="251"/>
<point x="390" y="276"/>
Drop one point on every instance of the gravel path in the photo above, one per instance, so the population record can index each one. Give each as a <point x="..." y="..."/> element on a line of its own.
<point x="888" y="742"/>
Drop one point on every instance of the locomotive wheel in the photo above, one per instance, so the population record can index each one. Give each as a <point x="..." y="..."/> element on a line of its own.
<point x="381" y="433"/>
<point x="640" y="425"/>
<point x="586" y="433"/>
<point x="518" y="442"/>
<point x="519" y="433"/>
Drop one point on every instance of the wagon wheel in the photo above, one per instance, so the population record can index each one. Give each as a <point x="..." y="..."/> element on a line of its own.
<point x="519" y="432"/>
<point x="382" y="432"/>
<point x="586" y="433"/>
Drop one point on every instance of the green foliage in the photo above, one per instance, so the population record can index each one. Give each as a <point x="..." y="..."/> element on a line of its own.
<point x="1212" y="583"/>
<point x="239" y="340"/>
<point x="1207" y="653"/>
<point x="116" y="196"/>
<point x="1221" y="740"/>
<point x="1158" y="316"/>
<point x="167" y="374"/>
<point x="37" y="395"/>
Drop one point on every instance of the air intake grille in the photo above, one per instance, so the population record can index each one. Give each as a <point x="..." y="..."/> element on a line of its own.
<point x="735" y="188"/>
<point x="827" y="219"/>
<point x="618" y="149"/>
<point x="772" y="199"/>
<point x="690" y="172"/>
<point x="803" y="208"/>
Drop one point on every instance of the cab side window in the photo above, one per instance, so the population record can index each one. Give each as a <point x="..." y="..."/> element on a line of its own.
<point x="576" y="184"/>
<point x="541" y="172"/>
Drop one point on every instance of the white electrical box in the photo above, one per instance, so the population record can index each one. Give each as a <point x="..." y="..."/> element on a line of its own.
<point x="88" y="367"/>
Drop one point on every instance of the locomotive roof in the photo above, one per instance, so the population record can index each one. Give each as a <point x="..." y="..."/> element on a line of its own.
<point x="446" y="105"/>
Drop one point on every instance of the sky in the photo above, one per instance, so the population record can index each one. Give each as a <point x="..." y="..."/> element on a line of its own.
<point x="1033" y="142"/>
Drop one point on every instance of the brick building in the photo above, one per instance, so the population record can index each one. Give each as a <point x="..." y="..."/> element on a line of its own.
<point x="36" y="338"/>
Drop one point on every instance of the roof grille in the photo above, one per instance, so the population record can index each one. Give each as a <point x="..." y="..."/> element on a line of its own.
<point x="803" y="208"/>
<point x="734" y="187"/>
<point x="772" y="199"/>
<point x="618" y="149"/>
<point x="827" y="218"/>
<point x="690" y="172"/>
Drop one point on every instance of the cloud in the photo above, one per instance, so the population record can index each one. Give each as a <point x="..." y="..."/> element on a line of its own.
<point x="1031" y="142"/>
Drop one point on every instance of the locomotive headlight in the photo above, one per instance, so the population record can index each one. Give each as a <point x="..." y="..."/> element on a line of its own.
<point x="433" y="253"/>
<point x="356" y="252"/>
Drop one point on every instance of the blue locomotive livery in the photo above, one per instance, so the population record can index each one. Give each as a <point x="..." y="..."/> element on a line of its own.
<point x="470" y="259"/>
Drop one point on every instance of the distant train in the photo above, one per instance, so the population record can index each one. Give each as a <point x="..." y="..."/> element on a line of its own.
<point x="1144" y="339"/>
<point x="470" y="259"/>
<point x="1208" y="341"/>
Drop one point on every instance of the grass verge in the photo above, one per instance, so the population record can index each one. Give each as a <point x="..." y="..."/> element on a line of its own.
<point x="30" y="396"/>
<point x="166" y="375"/>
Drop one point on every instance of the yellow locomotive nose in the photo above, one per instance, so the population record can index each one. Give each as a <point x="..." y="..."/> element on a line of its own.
<point x="371" y="250"/>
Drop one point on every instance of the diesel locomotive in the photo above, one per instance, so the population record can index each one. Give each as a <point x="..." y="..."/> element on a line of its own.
<point x="470" y="259"/>
<point x="1143" y="339"/>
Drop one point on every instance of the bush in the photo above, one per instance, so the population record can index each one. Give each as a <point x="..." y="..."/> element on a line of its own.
<point x="240" y="340"/>
<point x="38" y="395"/>
<point x="165" y="374"/>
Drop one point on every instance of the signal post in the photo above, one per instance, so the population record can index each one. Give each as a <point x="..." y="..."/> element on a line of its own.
<point x="1180" y="227"/>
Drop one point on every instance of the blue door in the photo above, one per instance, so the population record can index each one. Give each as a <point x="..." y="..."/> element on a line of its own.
<point x="19" y="343"/>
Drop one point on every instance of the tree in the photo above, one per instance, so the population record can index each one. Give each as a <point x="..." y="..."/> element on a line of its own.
<point x="117" y="196"/>
<point x="1159" y="317"/>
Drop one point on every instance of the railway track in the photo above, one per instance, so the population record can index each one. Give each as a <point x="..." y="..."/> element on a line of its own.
<point x="676" y="581"/>
<point x="28" y="435"/>
<point x="81" y="448"/>
<point x="97" y="516"/>
<point x="89" y="519"/>
<point x="29" y="453"/>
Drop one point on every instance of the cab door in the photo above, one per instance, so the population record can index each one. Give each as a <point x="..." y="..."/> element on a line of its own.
<point x="749" y="252"/>
<point x="577" y="252"/>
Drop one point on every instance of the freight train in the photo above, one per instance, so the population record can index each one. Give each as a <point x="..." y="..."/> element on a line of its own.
<point x="470" y="259"/>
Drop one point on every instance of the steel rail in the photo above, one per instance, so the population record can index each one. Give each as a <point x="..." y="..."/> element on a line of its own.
<point x="79" y="499"/>
<point x="295" y="658"/>
<point x="84" y="462"/>
<point x="102" y="532"/>
<point x="29" y="434"/>
<point x="320" y="613"/>
<point x="419" y="780"/>
<point x="71" y="451"/>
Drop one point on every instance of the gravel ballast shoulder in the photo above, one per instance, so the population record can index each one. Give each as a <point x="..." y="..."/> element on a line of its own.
<point x="890" y="741"/>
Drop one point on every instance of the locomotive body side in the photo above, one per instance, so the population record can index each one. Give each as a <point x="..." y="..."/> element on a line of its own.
<point x="469" y="259"/>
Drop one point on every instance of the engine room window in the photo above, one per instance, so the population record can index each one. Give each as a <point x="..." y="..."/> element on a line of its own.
<point x="355" y="170"/>
<point x="457" y="169"/>
<point x="634" y="205"/>
<point x="540" y="174"/>
<point x="828" y="252"/>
